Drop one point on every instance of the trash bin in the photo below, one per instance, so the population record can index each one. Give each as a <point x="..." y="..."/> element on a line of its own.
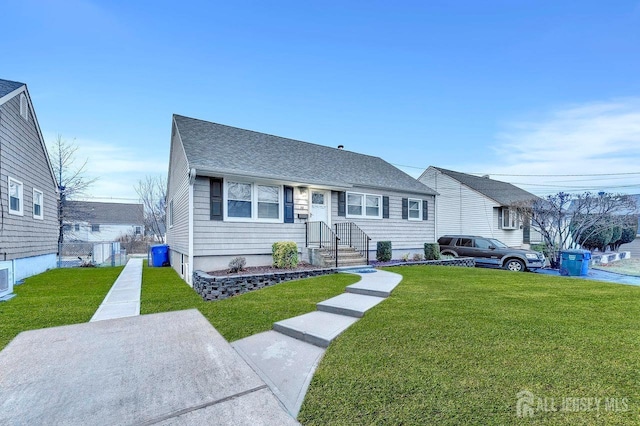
<point x="574" y="263"/>
<point x="159" y="255"/>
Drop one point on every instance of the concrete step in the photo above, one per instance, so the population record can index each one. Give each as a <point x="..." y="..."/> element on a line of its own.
<point x="379" y="284"/>
<point x="350" y="304"/>
<point x="317" y="328"/>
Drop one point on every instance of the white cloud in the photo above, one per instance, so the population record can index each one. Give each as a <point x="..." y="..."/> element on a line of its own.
<point x="594" y="138"/>
<point x="117" y="168"/>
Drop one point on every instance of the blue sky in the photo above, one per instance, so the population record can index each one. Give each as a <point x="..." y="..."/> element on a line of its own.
<point x="498" y="87"/>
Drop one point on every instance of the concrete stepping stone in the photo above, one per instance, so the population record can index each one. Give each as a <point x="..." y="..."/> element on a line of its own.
<point x="379" y="284"/>
<point x="350" y="304"/>
<point x="123" y="300"/>
<point x="285" y="364"/>
<point x="317" y="328"/>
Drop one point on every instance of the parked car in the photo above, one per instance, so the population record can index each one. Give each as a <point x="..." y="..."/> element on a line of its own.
<point x="490" y="252"/>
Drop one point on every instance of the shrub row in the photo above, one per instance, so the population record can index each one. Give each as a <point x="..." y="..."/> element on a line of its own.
<point x="383" y="251"/>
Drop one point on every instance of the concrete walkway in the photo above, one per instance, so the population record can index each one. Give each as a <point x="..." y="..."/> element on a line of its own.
<point x="123" y="300"/>
<point x="287" y="357"/>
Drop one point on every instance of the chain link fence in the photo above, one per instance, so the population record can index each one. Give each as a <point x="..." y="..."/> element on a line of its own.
<point x="87" y="254"/>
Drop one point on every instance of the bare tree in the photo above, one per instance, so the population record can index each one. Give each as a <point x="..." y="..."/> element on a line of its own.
<point x="72" y="180"/>
<point x="565" y="219"/>
<point x="152" y="191"/>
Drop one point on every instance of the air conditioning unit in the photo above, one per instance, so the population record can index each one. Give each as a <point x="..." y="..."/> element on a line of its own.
<point x="6" y="278"/>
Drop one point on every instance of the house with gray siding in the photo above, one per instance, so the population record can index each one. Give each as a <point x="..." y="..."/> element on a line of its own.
<point x="234" y="192"/>
<point x="28" y="191"/>
<point x="474" y="205"/>
<point x="98" y="221"/>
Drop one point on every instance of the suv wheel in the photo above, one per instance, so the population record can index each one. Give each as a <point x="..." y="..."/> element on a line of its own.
<point x="514" y="265"/>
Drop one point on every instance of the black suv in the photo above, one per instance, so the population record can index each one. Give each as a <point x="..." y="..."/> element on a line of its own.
<point x="490" y="252"/>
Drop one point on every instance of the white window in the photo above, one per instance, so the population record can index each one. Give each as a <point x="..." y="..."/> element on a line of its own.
<point x="415" y="209"/>
<point x="170" y="213"/>
<point x="76" y="227"/>
<point x="509" y="218"/>
<point x="15" y="197"/>
<point x="364" y="205"/>
<point x="24" y="107"/>
<point x="253" y="201"/>
<point x="138" y="230"/>
<point x="38" y="211"/>
<point x="95" y="227"/>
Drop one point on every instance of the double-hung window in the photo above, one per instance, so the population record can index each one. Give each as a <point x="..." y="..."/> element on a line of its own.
<point x="253" y="201"/>
<point x="15" y="197"/>
<point x="509" y="218"/>
<point x="415" y="209"/>
<point x="38" y="212"/>
<point x="364" y="205"/>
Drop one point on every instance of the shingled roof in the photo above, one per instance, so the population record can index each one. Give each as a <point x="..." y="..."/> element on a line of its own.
<point x="503" y="193"/>
<point x="106" y="213"/>
<point x="216" y="148"/>
<point x="8" y="86"/>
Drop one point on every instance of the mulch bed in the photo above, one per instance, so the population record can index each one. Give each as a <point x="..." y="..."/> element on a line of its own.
<point x="252" y="270"/>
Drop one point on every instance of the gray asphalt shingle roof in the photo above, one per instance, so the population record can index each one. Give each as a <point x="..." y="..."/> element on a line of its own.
<point x="107" y="213"/>
<point x="229" y="150"/>
<point x="502" y="192"/>
<point x="8" y="86"/>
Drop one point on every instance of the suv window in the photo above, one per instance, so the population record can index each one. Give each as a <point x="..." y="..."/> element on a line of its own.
<point x="445" y="241"/>
<point x="464" y="242"/>
<point x="483" y="244"/>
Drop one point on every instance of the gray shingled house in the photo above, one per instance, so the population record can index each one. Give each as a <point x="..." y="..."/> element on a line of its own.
<point x="28" y="191"/>
<point x="234" y="192"/>
<point x="476" y="205"/>
<point x="98" y="221"/>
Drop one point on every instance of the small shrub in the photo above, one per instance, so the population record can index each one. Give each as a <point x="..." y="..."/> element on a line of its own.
<point x="431" y="251"/>
<point x="237" y="264"/>
<point x="285" y="254"/>
<point x="405" y="257"/>
<point x="417" y="257"/>
<point x="383" y="251"/>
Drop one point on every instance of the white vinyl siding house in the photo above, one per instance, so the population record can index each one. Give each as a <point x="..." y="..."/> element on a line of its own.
<point x="235" y="192"/>
<point x="91" y="221"/>
<point x="467" y="205"/>
<point x="28" y="188"/>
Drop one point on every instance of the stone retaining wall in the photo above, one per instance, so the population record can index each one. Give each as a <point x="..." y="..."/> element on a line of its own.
<point x="212" y="287"/>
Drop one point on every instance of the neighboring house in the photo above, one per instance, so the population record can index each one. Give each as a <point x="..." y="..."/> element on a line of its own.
<point x="28" y="191"/>
<point x="96" y="221"/>
<point x="475" y="205"/>
<point x="234" y="192"/>
<point x="634" y="246"/>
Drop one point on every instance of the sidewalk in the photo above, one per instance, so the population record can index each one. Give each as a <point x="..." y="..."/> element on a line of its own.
<point x="287" y="357"/>
<point x="123" y="300"/>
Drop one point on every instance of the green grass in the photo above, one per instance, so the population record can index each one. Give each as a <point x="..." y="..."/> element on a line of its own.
<point x="245" y="315"/>
<point x="455" y="346"/>
<point x="53" y="298"/>
<point x="624" y="266"/>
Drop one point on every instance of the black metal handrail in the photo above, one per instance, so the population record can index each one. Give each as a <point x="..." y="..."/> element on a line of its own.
<point x="351" y="235"/>
<point x="319" y="234"/>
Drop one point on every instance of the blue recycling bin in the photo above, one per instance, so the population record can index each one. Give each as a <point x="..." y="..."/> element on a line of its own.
<point x="159" y="255"/>
<point x="574" y="263"/>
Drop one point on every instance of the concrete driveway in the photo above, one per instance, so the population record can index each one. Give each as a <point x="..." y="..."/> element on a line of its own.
<point x="170" y="368"/>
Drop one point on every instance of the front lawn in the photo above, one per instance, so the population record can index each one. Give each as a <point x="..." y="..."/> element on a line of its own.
<point x="241" y="316"/>
<point x="53" y="298"/>
<point x="456" y="345"/>
<point x="625" y="266"/>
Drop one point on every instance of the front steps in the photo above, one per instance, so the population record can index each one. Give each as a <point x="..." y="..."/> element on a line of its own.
<point x="347" y="256"/>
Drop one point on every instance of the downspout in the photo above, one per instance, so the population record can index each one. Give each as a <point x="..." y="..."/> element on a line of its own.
<point x="192" y="179"/>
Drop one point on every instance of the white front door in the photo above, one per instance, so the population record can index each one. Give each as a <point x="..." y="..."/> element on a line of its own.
<point x="320" y="206"/>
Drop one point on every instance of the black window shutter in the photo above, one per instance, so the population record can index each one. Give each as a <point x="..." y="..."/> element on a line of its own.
<point x="526" y="232"/>
<point x="425" y="210"/>
<point x="385" y="207"/>
<point x="288" y="204"/>
<point x="499" y="217"/>
<point x="215" y="185"/>
<point x="405" y="208"/>
<point x="342" y="203"/>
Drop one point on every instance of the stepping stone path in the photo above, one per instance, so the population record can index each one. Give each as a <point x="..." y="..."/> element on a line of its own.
<point x="287" y="357"/>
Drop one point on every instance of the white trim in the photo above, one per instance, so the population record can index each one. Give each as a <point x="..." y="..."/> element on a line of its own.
<point x="190" y="256"/>
<point x="420" y="214"/>
<point x="11" y="95"/>
<point x="24" y="107"/>
<point x="20" y="211"/>
<point x="254" y="202"/>
<point x="364" y="206"/>
<point x="170" y="211"/>
<point x="41" y="215"/>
